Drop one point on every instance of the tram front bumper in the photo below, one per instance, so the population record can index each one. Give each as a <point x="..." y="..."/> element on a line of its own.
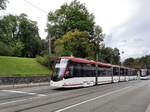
<point x="56" y="84"/>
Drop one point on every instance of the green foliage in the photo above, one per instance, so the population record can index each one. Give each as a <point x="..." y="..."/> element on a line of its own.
<point x="69" y="17"/>
<point x="14" y="66"/>
<point x="5" y="50"/>
<point x="17" y="47"/>
<point x="64" y="21"/>
<point x="8" y="28"/>
<point x="47" y="61"/>
<point x="28" y="34"/>
<point x="129" y="62"/>
<point x="74" y="43"/>
<point x="42" y="60"/>
<point x="143" y="62"/>
<point x="3" y="4"/>
<point x="21" y="34"/>
<point x="110" y="55"/>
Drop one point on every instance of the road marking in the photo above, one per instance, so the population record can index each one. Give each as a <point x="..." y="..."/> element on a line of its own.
<point x="38" y="95"/>
<point x="16" y="101"/>
<point x="148" y="108"/>
<point x="23" y="92"/>
<point x="107" y="94"/>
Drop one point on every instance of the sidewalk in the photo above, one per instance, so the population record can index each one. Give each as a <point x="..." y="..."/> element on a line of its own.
<point x="23" y="85"/>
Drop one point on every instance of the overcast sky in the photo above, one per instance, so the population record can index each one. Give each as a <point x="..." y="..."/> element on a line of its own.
<point x="126" y="23"/>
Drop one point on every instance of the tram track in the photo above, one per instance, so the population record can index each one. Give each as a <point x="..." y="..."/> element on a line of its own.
<point x="82" y="91"/>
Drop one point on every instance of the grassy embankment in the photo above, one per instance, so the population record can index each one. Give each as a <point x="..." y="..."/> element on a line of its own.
<point x="16" y="66"/>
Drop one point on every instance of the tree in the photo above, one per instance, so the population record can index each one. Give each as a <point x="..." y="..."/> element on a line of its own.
<point x="142" y="62"/>
<point x="28" y="34"/>
<point x="70" y="17"/>
<point x="8" y="28"/>
<point x="17" y="47"/>
<point x="106" y="55"/>
<point x="116" y="56"/>
<point x="145" y="60"/>
<point x="110" y="55"/>
<point x="129" y="62"/>
<point x="8" y="25"/>
<point x="97" y="40"/>
<point x="3" y="4"/>
<point x="5" y="49"/>
<point x="21" y="34"/>
<point x="74" y="43"/>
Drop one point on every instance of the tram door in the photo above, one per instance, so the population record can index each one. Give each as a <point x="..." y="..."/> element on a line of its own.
<point x="116" y="74"/>
<point x="104" y="75"/>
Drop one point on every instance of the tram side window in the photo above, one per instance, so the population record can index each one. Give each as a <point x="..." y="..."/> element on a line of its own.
<point x="104" y="72"/>
<point x="115" y="71"/>
<point x="121" y="71"/>
<point x="129" y="72"/>
<point x="93" y="71"/>
<point x="101" y="72"/>
<point x="70" y="71"/>
<point x="108" y="72"/>
<point x="80" y="70"/>
<point x="126" y="72"/>
<point x="135" y="72"/>
<point x="87" y="70"/>
<point x="77" y="70"/>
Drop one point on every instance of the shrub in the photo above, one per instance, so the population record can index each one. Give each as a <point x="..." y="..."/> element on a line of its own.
<point x="46" y="60"/>
<point x="5" y="50"/>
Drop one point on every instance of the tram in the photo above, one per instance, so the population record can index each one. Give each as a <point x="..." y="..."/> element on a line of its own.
<point x="78" y="72"/>
<point x="145" y="74"/>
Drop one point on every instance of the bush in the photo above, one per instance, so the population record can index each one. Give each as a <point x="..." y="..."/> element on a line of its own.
<point x="42" y="60"/>
<point x="46" y="60"/>
<point x="5" y="50"/>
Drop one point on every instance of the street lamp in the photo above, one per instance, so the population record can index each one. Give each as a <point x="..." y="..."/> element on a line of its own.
<point x="49" y="53"/>
<point x="122" y="60"/>
<point x="96" y="77"/>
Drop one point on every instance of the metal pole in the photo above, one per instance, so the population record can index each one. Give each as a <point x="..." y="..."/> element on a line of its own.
<point x="119" y="74"/>
<point x="112" y="79"/>
<point x="49" y="53"/>
<point x="49" y="46"/>
<point x="96" y="75"/>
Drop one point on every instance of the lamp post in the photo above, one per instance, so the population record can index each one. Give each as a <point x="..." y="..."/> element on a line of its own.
<point x="122" y="60"/>
<point x="49" y="53"/>
<point x="96" y="74"/>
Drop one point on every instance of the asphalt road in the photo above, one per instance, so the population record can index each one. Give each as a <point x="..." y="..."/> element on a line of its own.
<point x="132" y="96"/>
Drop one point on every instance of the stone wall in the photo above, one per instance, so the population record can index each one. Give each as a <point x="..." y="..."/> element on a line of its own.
<point x="23" y="80"/>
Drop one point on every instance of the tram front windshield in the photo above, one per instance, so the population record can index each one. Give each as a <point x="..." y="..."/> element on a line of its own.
<point x="60" y="68"/>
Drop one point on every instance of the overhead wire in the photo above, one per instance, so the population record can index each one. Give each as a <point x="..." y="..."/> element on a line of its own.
<point x="33" y="5"/>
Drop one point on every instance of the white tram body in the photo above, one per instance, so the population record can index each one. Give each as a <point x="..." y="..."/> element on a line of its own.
<point x="145" y="74"/>
<point x="78" y="72"/>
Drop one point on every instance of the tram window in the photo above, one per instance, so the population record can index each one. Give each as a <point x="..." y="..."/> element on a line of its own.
<point x="115" y="71"/>
<point x="121" y="71"/>
<point x="70" y="71"/>
<point x="92" y="70"/>
<point x="77" y="70"/>
<point x="86" y="70"/>
<point x="108" y="72"/>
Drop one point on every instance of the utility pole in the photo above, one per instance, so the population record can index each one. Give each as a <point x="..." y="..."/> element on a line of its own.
<point x="96" y="74"/>
<point x="49" y="54"/>
<point x="111" y="62"/>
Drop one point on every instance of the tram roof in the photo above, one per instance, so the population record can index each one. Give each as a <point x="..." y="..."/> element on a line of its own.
<point x="81" y="60"/>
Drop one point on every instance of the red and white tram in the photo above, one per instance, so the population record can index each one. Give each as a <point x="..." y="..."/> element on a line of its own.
<point x="78" y="72"/>
<point x="145" y="74"/>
